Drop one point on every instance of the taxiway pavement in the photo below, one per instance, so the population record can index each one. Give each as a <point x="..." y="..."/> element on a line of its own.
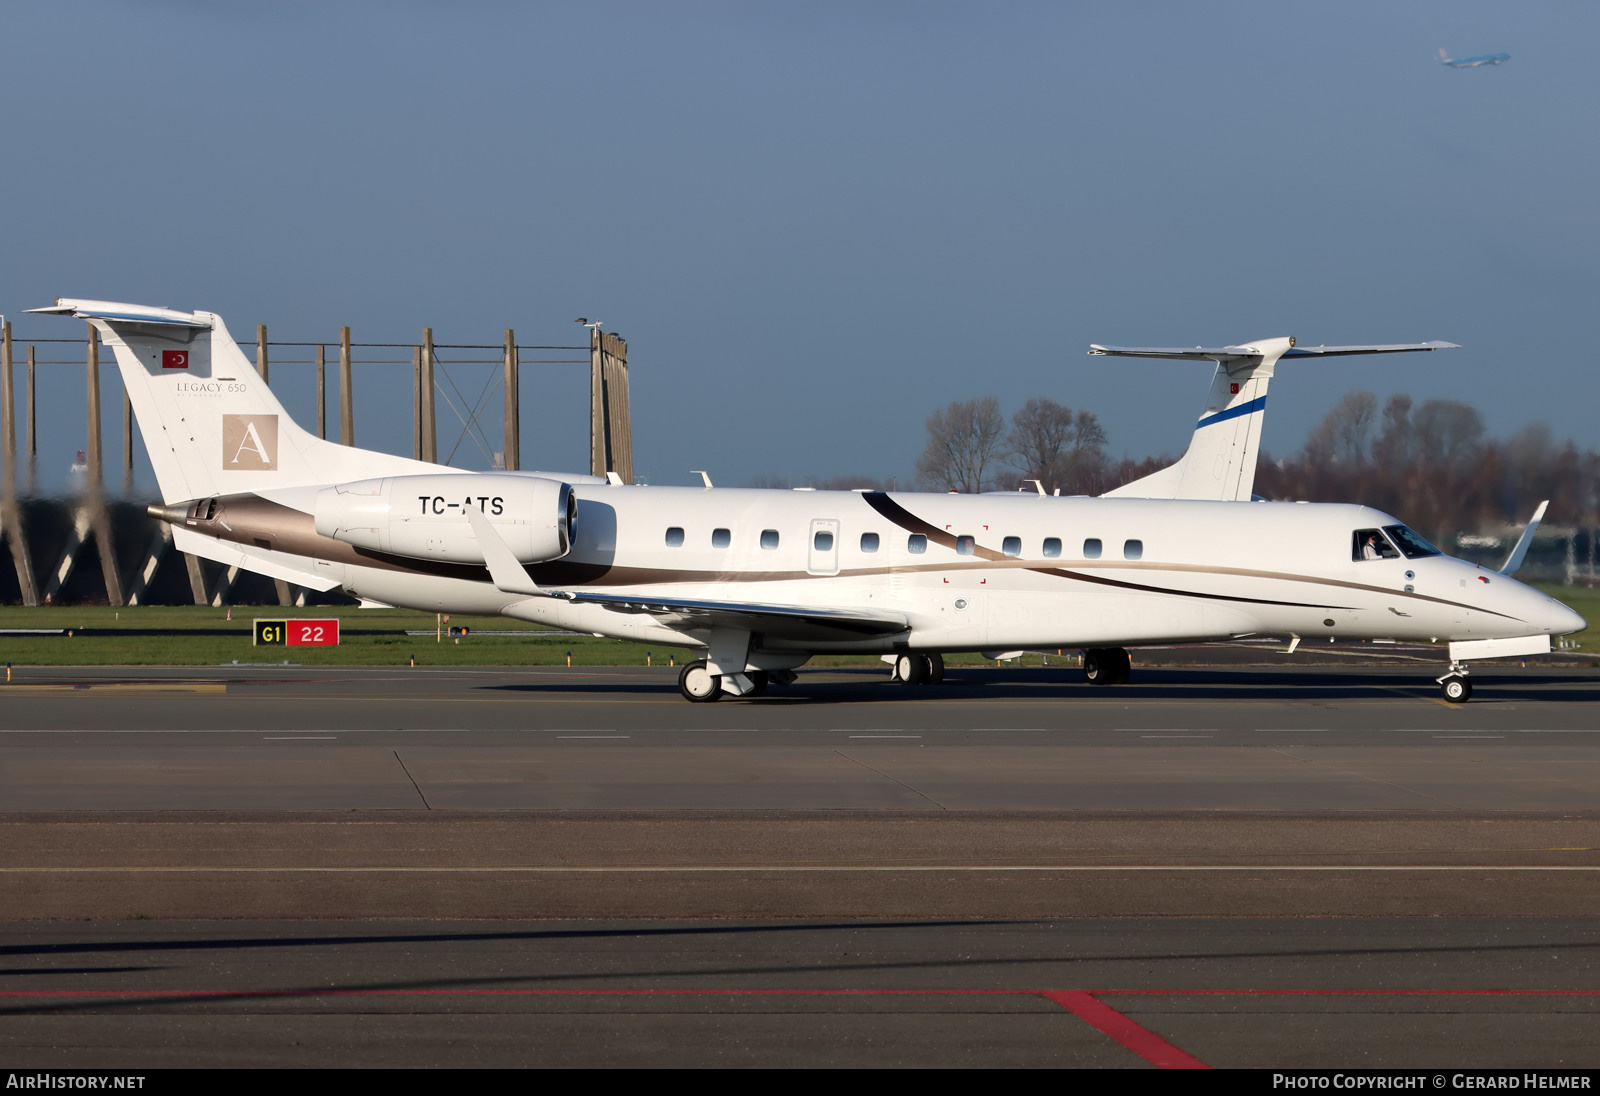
<point x="250" y="865"/>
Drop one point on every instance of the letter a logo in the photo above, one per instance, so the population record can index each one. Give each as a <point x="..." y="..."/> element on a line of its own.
<point x="250" y="443"/>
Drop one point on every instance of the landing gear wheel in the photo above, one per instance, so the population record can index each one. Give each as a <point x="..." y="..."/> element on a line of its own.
<point x="1456" y="689"/>
<point x="935" y="668"/>
<point x="911" y="669"/>
<point x="758" y="682"/>
<point x="1097" y="666"/>
<point x="1106" y="665"/>
<point x="698" y="684"/>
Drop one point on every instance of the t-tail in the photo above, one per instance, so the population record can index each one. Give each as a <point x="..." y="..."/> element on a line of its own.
<point x="210" y="423"/>
<point x="1220" y="463"/>
<point x="215" y="433"/>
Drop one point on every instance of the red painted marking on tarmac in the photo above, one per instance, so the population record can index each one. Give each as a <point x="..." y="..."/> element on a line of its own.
<point x="1082" y="1003"/>
<point x="1135" y="1036"/>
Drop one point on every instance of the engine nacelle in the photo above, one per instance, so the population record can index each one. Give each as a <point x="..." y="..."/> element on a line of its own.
<point x="425" y="517"/>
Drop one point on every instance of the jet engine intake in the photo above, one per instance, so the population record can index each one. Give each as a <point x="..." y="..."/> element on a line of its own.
<point x="425" y="517"/>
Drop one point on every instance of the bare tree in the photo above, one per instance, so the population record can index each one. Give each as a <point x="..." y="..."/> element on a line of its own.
<point x="1447" y="432"/>
<point x="1059" y="447"/>
<point x="1344" y="435"/>
<point x="1395" y="446"/>
<point x="964" y="442"/>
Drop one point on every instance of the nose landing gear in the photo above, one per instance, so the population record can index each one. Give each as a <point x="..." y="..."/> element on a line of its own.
<point x="1455" y="686"/>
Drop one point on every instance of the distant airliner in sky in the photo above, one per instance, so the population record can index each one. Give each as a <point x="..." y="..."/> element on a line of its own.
<point x="1473" y="62"/>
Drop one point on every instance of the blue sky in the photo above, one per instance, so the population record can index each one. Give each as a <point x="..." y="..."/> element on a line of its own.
<point x="816" y="223"/>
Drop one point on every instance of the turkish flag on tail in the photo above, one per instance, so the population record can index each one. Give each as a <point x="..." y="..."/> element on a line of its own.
<point x="174" y="359"/>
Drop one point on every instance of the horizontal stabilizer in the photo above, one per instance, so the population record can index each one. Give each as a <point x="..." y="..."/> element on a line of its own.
<point x="116" y="310"/>
<point x="1235" y="353"/>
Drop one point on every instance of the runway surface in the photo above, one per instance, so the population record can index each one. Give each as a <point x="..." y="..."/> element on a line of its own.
<point x="1265" y="867"/>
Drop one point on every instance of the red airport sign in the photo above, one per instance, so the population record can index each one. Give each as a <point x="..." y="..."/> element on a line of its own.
<point x="296" y="633"/>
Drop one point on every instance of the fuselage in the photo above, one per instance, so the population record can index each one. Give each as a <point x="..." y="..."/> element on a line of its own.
<point x="963" y="572"/>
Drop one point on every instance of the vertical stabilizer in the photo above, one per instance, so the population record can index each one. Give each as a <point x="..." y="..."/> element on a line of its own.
<point x="210" y="423"/>
<point x="1220" y="463"/>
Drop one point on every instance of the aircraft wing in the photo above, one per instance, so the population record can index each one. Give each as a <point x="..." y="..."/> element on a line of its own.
<point x="785" y="621"/>
<point x="1232" y="353"/>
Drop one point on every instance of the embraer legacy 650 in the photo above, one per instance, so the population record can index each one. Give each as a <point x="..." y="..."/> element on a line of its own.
<point x="762" y="580"/>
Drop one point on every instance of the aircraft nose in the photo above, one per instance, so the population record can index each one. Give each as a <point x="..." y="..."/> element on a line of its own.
<point x="1558" y="620"/>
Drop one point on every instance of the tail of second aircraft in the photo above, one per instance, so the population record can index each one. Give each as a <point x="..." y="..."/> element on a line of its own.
<point x="1220" y="463"/>
<point x="210" y="423"/>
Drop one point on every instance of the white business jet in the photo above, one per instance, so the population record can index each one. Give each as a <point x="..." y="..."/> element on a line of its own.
<point x="762" y="580"/>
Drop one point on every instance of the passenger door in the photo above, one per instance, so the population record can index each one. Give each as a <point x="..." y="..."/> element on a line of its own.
<point x="823" y="547"/>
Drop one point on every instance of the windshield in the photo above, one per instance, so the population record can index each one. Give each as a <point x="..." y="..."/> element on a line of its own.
<point x="1371" y="544"/>
<point x="1408" y="542"/>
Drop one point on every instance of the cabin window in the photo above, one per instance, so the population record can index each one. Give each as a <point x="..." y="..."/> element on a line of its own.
<point x="721" y="538"/>
<point x="675" y="537"/>
<point x="1091" y="548"/>
<point x="822" y="542"/>
<point x="869" y="542"/>
<point x="916" y="544"/>
<point x="965" y="546"/>
<point x="1052" y="547"/>
<point x="1412" y="545"/>
<point x="769" y="538"/>
<point x="1011" y="546"/>
<point x="1132" y="549"/>
<point x="1371" y="544"/>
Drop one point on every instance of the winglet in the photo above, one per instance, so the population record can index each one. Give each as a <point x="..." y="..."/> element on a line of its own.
<point x="1514" y="561"/>
<point x="507" y="573"/>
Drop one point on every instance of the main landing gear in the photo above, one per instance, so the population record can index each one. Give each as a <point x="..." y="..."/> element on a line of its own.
<point x="918" y="669"/>
<point x="1454" y="686"/>
<point x="700" y="686"/>
<point x="1106" y="665"/>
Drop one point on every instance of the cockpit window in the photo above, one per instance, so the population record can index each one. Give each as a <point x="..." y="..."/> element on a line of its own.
<point x="1412" y="545"/>
<point x="1372" y="544"/>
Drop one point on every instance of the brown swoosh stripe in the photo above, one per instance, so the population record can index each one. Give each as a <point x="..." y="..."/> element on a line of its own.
<point x="891" y="510"/>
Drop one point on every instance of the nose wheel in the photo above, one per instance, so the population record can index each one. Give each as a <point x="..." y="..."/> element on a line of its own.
<point x="1454" y="686"/>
